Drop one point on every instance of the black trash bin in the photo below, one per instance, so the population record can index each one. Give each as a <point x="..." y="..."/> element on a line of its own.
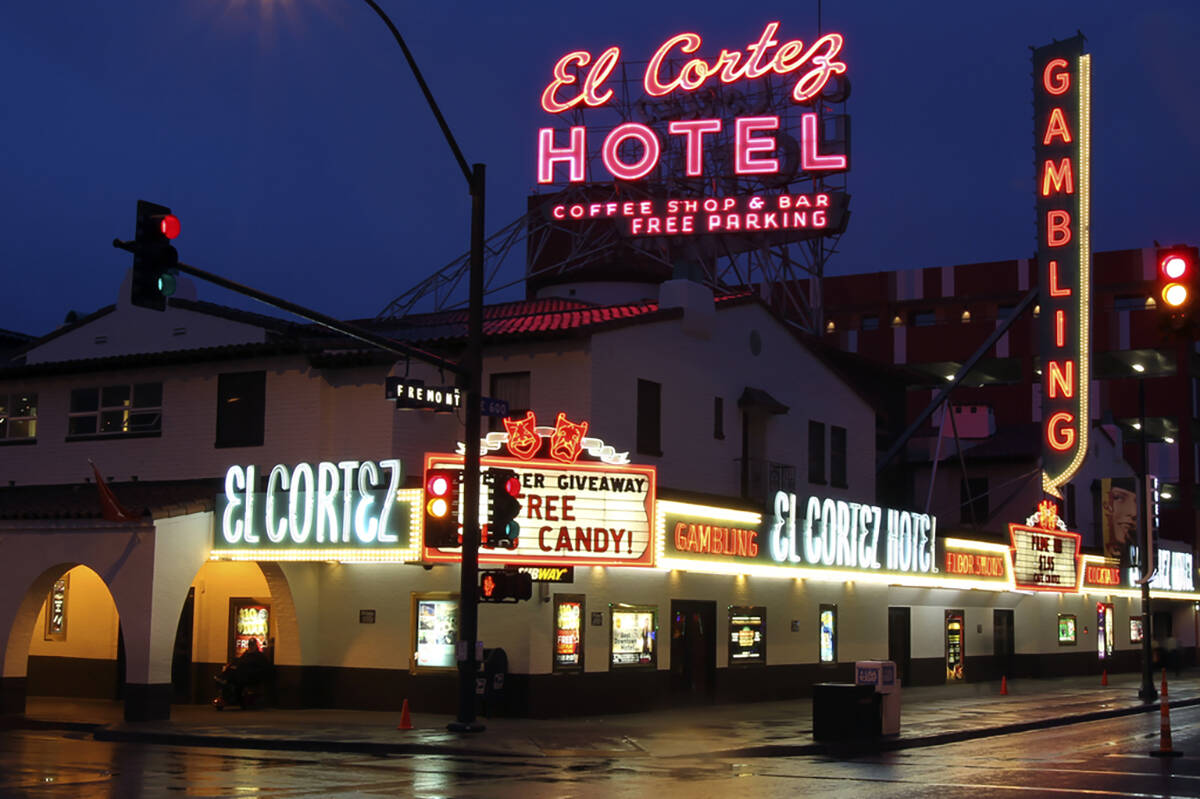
<point x="489" y="685"/>
<point x="845" y="712"/>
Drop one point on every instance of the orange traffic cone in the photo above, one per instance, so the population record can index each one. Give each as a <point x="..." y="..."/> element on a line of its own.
<point x="1165" y="749"/>
<point x="1104" y="677"/>
<point x="405" y="721"/>
<point x="1004" y="686"/>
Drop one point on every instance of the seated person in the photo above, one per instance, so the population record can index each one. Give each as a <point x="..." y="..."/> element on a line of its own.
<point x="250" y="669"/>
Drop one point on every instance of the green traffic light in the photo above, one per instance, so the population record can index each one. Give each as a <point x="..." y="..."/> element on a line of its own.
<point x="166" y="284"/>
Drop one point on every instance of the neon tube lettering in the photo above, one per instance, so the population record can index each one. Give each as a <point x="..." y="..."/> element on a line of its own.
<point x="250" y="536"/>
<point x="595" y="77"/>
<point x="574" y="154"/>
<point x="694" y="131"/>
<point x="1059" y="434"/>
<point x="279" y="476"/>
<point x="302" y="483"/>
<point x="366" y="529"/>
<point x="809" y="159"/>
<point x="347" y="468"/>
<point x="745" y="146"/>
<point x="1059" y="177"/>
<point x="638" y="169"/>
<point x="1057" y="126"/>
<point x="1058" y="228"/>
<point x="1056" y="79"/>
<point x="1055" y="290"/>
<point x="235" y="482"/>
<point x="327" y="489"/>
<point x="396" y="473"/>
<point x="1061" y="379"/>
<point x="1060" y="327"/>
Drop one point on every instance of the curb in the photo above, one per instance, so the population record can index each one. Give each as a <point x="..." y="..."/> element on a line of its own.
<point x="116" y="734"/>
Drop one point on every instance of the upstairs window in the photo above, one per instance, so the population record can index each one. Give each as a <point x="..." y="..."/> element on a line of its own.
<point x="120" y="410"/>
<point x="649" y="417"/>
<point x="18" y="417"/>
<point x="513" y="388"/>
<point x="816" y="452"/>
<point x="837" y="456"/>
<point x="241" y="409"/>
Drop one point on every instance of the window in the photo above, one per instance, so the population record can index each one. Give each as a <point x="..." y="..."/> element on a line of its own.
<point x="924" y="319"/>
<point x="649" y="417"/>
<point x="123" y="410"/>
<point x="634" y="636"/>
<point x="241" y="408"/>
<point x="718" y="417"/>
<point x="747" y="635"/>
<point x="434" y="625"/>
<point x="837" y="456"/>
<point x="816" y="452"/>
<point x="1066" y="629"/>
<point x="18" y="417"/>
<point x="973" y="498"/>
<point x="568" y="632"/>
<point x="870" y="323"/>
<point x="513" y="388"/>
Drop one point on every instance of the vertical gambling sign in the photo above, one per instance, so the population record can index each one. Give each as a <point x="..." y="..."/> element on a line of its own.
<point x="1062" y="157"/>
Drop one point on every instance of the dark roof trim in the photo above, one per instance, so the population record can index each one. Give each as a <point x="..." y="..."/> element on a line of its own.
<point x="761" y="400"/>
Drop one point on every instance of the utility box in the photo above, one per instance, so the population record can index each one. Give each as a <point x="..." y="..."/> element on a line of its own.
<point x="881" y="676"/>
<point x="845" y="712"/>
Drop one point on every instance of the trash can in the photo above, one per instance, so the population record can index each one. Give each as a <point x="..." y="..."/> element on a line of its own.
<point x="881" y="675"/>
<point x="845" y="712"/>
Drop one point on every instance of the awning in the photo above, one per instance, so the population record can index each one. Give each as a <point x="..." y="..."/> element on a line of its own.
<point x="756" y="398"/>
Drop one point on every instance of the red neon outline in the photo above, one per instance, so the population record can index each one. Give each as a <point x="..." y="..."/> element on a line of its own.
<point x="1060" y="327"/>
<point x="694" y="130"/>
<point x="1062" y="80"/>
<point x="523" y="439"/>
<point x="631" y="130"/>
<point x="565" y="447"/>
<point x="574" y="154"/>
<point x="1055" y="290"/>
<point x="445" y="460"/>
<point x="744" y="146"/>
<point x="1062" y="589"/>
<point x="790" y="57"/>
<point x="1058" y="378"/>
<point x="1060" y="177"/>
<point x="809" y="159"/>
<point x="1064" y="417"/>
<point x="1058" y="222"/>
<point x="1057" y="126"/>
<point x="563" y="78"/>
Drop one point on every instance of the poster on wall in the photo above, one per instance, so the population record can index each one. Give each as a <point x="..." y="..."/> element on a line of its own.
<point x="568" y="632"/>
<point x="634" y="636"/>
<point x="251" y="620"/>
<point x="1066" y="629"/>
<point x="828" y="634"/>
<point x="56" y="610"/>
<point x="747" y="635"/>
<point x="1135" y="630"/>
<point x="436" y="630"/>
<point x="1105" y="630"/>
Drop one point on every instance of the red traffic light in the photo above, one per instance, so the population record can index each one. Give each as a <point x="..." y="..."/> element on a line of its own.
<point x="169" y="226"/>
<point x="1177" y="274"/>
<point x="438" y="485"/>
<point x="513" y="486"/>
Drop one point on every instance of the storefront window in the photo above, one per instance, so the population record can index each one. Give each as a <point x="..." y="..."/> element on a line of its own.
<point x="248" y="618"/>
<point x="1066" y="629"/>
<point x="828" y="634"/>
<point x="435" y="631"/>
<point x="634" y="635"/>
<point x="56" y="610"/>
<point x="747" y="636"/>
<point x="568" y="632"/>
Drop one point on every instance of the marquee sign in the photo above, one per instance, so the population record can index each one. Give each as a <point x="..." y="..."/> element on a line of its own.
<point x="348" y="510"/>
<point x="574" y="514"/>
<point x="730" y="132"/>
<point x="1062" y="155"/>
<point x="1045" y="556"/>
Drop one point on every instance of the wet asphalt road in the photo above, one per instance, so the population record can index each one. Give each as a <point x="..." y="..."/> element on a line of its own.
<point x="1105" y="758"/>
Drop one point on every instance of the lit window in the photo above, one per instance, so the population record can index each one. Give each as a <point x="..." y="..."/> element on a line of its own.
<point x="116" y="410"/>
<point x="18" y="417"/>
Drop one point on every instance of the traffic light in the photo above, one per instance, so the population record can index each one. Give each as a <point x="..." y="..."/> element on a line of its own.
<point x="441" y="508"/>
<point x="154" y="258"/>
<point x="1176" y="279"/>
<point x="504" y="586"/>
<point x="503" y="507"/>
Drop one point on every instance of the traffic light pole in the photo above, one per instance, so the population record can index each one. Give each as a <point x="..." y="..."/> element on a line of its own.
<point x="1147" y="693"/>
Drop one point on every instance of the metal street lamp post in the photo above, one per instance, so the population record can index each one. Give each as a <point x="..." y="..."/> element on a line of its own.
<point x="472" y="367"/>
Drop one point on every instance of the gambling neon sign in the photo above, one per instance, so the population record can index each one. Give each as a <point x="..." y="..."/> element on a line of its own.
<point x="631" y="151"/>
<point x="1062" y="147"/>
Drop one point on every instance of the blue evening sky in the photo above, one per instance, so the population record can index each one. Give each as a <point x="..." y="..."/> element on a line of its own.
<point x="293" y="143"/>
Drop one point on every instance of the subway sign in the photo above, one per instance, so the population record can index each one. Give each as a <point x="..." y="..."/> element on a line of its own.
<point x="315" y="507"/>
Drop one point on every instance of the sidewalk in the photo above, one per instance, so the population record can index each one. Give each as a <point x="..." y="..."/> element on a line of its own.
<point x="930" y="716"/>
